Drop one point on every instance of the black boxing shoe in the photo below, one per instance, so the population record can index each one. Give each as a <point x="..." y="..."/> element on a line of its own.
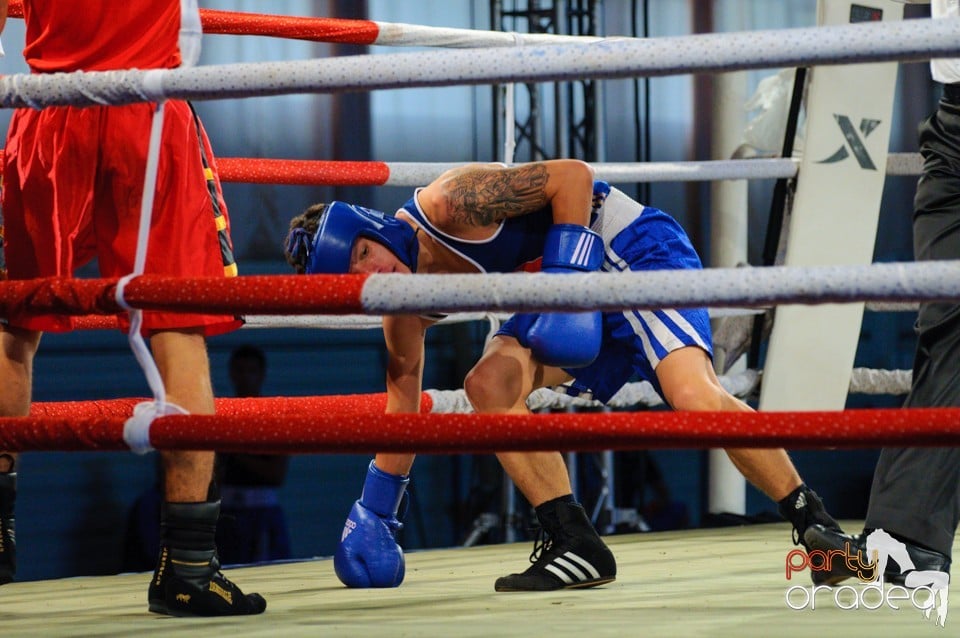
<point x="568" y="554"/>
<point x="817" y="537"/>
<point x="8" y="540"/>
<point x="803" y="508"/>
<point x="187" y="580"/>
<point x="846" y="552"/>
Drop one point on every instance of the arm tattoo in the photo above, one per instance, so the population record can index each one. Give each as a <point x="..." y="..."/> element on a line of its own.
<point x="483" y="197"/>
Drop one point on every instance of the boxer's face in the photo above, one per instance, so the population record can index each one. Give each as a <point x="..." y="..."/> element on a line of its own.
<point x="370" y="256"/>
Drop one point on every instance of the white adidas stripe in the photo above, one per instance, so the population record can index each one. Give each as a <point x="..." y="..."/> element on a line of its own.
<point x="584" y="563"/>
<point x="581" y="254"/>
<point x="570" y="573"/>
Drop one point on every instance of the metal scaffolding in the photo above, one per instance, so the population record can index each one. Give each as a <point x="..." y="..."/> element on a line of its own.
<point x="561" y="119"/>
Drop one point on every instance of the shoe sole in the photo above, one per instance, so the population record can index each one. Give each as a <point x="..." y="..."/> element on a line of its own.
<point x="161" y="608"/>
<point x="166" y="611"/>
<point x="581" y="585"/>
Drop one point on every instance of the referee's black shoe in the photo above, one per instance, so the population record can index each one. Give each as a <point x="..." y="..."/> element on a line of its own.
<point x="567" y="554"/>
<point x="818" y="537"/>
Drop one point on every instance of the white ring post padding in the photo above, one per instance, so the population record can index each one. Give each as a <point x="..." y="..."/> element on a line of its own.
<point x="712" y="287"/>
<point x="906" y="40"/>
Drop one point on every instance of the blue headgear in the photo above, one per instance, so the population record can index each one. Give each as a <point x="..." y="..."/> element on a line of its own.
<point x="340" y="226"/>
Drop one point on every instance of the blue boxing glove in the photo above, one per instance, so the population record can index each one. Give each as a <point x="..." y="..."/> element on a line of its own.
<point x="565" y="339"/>
<point x="368" y="554"/>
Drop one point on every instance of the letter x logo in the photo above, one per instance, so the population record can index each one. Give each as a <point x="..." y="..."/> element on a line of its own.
<point x="854" y="141"/>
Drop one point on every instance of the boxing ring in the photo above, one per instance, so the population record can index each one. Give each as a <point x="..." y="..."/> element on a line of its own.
<point x="697" y="582"/>
<point x="717" y="582"/>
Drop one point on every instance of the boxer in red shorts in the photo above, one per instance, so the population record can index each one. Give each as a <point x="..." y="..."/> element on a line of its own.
<point x="72" y="185"/>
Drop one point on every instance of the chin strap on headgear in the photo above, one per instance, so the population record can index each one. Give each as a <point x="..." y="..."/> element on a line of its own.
<point x="340" y="226"/>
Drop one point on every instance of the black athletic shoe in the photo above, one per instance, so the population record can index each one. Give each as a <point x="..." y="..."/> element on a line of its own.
<point x="8" y="538"/>
<point x="567" y="554"/>
<point x="187" y="580"/>
<point x="803" y="508"/>
<point x="818" y="537"/>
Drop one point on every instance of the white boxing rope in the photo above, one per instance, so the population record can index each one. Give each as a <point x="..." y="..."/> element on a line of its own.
<point x="904" y="164"/>
<point x="898" y="164"/>
<point x="367" y="322"/>
<point x="351" y="322"/>
<point x="135" y="339"/>
<point x="136" y="429"/>
<point x="892" y="306"/>
<point x="870" y="381"/>
<point x="509" y="113"/>
<point x="415" y="35"/>
<point x="419" y="173"/>
<point x="905" y="40"/>
<point x="641" y="393"/>
<point x="711" y="287"/>
<point x="703" y="171"/>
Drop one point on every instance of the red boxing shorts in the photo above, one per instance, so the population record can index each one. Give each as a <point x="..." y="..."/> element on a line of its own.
<point x="72" y="184"/>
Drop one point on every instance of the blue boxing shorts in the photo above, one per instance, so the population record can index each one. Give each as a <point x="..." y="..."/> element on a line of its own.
<point x="635" y="341"/>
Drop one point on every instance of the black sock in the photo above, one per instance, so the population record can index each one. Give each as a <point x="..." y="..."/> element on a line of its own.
<point x="793" y="507"/>
<point x="566" y="498"/>
<point x="547" y="511"/>
<point x="789" y="502"/>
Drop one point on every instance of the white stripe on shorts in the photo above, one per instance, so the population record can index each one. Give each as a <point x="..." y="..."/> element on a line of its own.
<point x="637" y="323"/>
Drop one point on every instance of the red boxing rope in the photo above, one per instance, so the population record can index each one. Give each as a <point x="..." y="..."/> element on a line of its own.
<point x="340" y="404"/>
<point x="299" y="172"/>
<point x="484" y="433"/>
<point x="96" y="322"/>
<point x="302" y="172"/>
<point x="313" y="29"/>
<point x="257" y="294"/>
<point x="236" y="23"/>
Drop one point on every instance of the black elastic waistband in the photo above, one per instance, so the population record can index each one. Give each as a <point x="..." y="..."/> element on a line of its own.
<point x="951" y="93"/>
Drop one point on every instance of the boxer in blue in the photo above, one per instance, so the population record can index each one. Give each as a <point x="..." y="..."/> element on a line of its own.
<point x="554" y="216"/>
